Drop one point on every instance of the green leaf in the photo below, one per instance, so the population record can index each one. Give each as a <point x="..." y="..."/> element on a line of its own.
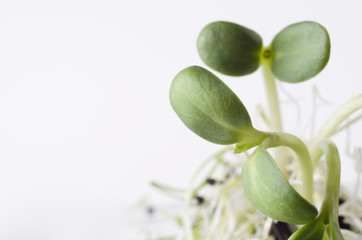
<point x="314" y="230"/>
<point x="300" y="51"/>
<point x="270" y="192"/>
<point x="230" y="48"/>
<point x="209" y="108"/>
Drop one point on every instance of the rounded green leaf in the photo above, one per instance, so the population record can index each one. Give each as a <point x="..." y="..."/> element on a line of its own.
<point x="270" y="192"/>
<point x="300" y="51"/>
<point x="209" y="108"/>
<point x="229" y="48"/>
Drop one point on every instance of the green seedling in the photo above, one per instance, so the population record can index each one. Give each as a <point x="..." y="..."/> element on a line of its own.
<point x="209" y="108"/>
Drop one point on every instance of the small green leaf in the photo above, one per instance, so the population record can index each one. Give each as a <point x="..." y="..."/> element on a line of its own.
<point x="300" y="51"/>
<point x="270" y="192"/>
<point x="209" y="108"/>
<point x="314" y="230"/>
<point x="230" y="48"/>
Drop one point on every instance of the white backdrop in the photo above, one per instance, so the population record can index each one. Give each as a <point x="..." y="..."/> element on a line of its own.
<point x="85" y="120"/>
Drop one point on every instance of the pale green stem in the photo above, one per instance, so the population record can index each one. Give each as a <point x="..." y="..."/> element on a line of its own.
<point x="168" y="190"/>
<point x="300" y="149"/>
<point x="272" y="99"/>
<point x="348" y="124"/>
<point x="333" y="178"/>
<point x="329" y="209"/>
<point x="332" y="124"/>
<point x="274" y="114"/>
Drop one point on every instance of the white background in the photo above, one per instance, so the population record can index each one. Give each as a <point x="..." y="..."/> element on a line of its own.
<point x="85" y="120"/>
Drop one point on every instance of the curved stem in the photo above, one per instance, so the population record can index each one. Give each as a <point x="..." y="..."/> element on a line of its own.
<point x="332" y="124"/>
<point x="330" y="204"/>
<point x="331" y="195"/>
<point x="301" y="150"/>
